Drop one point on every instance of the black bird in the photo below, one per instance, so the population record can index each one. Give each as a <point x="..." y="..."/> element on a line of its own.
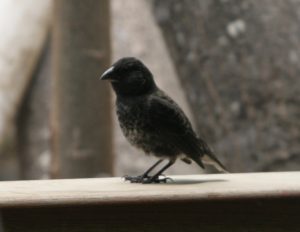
<point x="152" y="121"/>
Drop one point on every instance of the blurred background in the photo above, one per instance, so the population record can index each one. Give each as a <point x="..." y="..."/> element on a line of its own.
<point x="233" y="66"/>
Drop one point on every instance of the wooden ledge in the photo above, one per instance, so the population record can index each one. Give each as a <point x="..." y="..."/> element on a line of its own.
<point x="101" y="191"/>
<point x="210" y="203"/>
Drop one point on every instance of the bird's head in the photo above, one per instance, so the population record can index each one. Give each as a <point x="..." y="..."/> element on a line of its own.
<point x="130" y="77"/>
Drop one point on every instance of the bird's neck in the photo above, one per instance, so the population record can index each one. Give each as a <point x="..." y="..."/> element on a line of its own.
<point x="131" y="91"/>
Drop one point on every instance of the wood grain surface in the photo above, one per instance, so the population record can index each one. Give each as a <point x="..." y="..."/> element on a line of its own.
<point x="114" y="190"/>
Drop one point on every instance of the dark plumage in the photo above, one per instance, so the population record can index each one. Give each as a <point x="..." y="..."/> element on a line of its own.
<point x="152" y="121"/>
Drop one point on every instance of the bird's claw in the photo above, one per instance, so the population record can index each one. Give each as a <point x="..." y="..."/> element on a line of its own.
<point x="136" y="179"/>
<point x="147" y="179"/>
<point x="157" y="180"/>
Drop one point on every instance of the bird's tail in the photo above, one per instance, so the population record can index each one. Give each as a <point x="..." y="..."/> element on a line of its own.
<point x="212" y="160"/>
<point x="209" y="158"/>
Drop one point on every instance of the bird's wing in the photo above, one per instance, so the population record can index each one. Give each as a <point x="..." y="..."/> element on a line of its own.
<point x="174" y="127"/>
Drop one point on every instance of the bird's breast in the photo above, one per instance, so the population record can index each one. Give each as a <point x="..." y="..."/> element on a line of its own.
<point x="135" y="125"/>
<point x="132" y="119"/>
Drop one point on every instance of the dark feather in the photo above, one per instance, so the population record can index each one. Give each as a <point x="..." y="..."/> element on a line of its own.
<point x="173" y="126"/>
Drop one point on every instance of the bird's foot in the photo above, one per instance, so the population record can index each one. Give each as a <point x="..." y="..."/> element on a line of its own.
<point x="136" y="179"/>
<point x="147" y="179"/>
<point x="158" y="179"/>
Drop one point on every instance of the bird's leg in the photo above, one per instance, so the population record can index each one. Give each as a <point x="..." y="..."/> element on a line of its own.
<point x="151" y="168"/>
<point x="155" y="178"/>
<point x="145" y="176"/>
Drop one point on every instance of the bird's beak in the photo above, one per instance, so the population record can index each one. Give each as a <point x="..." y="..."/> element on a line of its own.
<point x="107" y="75"/>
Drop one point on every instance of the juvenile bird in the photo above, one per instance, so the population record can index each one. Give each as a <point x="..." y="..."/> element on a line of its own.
<point x="153" y="122"/>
